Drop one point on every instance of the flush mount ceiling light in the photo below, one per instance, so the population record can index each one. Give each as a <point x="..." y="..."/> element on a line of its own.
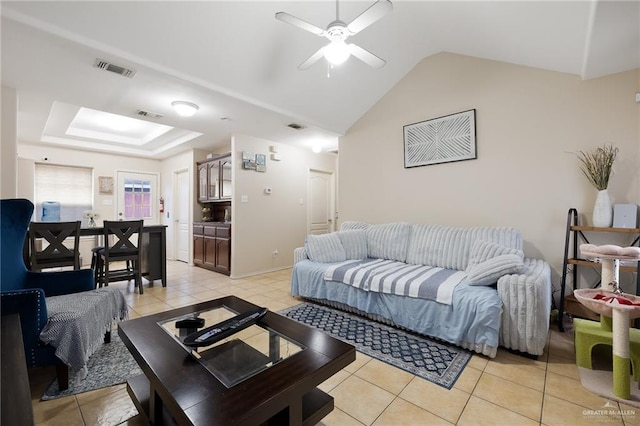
<point x="184" y="108"/>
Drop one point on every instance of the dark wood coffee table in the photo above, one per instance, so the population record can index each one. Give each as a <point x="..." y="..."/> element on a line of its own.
<point x="282" y="389"/>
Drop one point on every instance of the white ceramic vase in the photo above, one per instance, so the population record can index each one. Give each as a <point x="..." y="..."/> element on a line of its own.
<point x="603" y="210"/>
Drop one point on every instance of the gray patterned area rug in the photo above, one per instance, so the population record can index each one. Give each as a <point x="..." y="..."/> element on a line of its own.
<point x="110" y="365"/>
<point x="438" y="362"/>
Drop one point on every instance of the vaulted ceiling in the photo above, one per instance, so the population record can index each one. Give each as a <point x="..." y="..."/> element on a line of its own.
<point x="239" y="64"/>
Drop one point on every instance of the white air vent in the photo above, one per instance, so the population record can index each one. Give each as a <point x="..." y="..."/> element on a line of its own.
<point x="106" y="66"/>
<point x="296" y="126"/>
<point x="148" y="114"/>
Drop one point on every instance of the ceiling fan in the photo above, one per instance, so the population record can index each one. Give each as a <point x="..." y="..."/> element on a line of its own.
<point x="337" y="51"/>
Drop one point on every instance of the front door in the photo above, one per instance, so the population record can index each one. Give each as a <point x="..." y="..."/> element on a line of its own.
<point x="138" y="196"/>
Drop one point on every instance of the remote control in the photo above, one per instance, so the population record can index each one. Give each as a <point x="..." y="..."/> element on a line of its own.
<point x="224" y="329"/>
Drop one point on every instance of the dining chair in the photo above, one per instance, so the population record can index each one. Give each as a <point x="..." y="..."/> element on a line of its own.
<point x="122" y="244"/>
<point x="47" y="245"/>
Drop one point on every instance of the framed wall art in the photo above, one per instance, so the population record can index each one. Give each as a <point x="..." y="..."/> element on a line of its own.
<point x="441" y="140"/>
<point x="105" y="184"/>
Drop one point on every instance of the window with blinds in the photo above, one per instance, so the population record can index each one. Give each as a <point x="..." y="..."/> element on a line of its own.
<point x="67" y="190"/>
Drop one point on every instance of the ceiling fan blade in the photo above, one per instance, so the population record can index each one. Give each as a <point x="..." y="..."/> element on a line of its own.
<point x="366" y="56"/>
<point x="371" y="15"/>
<point x="290" y="19"/>
<point x="312" y="60"/>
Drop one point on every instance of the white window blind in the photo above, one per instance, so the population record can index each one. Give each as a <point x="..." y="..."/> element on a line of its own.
<point x="70" y="186"/>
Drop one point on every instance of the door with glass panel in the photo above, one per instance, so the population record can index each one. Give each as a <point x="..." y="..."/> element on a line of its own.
<point x="138" y="196"/>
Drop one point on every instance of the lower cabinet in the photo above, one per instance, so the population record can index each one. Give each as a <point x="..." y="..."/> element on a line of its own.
<point x="212" y="246"/>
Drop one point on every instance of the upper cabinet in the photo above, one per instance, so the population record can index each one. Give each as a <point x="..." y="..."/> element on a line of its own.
<point x="202" y="182"/>
<point x="225" y="178"/>
<point x="214" y="179"/>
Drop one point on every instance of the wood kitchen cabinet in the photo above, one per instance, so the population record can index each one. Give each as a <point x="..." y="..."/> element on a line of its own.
<point x="212" y="246"/>
<point x="214" y="179"/>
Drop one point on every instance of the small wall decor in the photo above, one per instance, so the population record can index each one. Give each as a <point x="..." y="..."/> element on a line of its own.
<point x="257" y="162"/>
<point x="441" y="140"/>
<point x="248" y="160"/>
<point x="105" y="184"/>
<point x="261" y="163"/>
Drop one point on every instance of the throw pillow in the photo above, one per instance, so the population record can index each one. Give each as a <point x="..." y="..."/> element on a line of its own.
<point x="488" y="272"/>
<point x="484" y="250"/>
<point x="325" y="248"/>
<point x="354" y="243"/>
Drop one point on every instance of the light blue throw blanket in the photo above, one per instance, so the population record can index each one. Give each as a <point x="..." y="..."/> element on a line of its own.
<point x="471" y="321"/>
<point x="387" y="276"/>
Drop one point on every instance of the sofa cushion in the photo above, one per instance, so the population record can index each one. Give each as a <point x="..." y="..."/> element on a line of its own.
<point x="354" y="243"/>
<point x="488" y="272"/>
<point x="482" y="250"/>
<point x="325" y="248"/>
<point x="388" y="241"/>
<point x="450" y="247"/>
<point x="350" y="225"/>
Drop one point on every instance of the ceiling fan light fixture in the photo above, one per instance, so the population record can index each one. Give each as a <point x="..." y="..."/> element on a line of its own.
<point x="184" y="108"/>
<point x="336" y="52"/>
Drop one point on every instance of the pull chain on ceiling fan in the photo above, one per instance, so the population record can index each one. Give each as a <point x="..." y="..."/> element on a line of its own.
<point x="338" y="51"/>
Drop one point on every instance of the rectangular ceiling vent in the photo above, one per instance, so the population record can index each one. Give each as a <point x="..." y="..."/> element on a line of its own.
<point x="148" y="114"/>
<point x="106" y="66"/>
<point x="296" y="126"/>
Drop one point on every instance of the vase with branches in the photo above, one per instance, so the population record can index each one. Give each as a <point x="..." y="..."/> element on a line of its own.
<point x="597" y="166"/>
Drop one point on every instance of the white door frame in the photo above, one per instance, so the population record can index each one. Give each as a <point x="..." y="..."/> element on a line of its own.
<point x="332" y="200"/>
<point x="174" y="210"/>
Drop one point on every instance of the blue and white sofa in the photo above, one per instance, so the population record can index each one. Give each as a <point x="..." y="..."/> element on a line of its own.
<point x="472" y="287"/>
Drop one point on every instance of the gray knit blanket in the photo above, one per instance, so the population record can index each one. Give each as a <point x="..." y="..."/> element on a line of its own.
<point x="78" y="322"/>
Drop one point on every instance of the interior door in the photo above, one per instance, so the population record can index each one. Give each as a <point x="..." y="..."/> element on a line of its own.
<point x="181" y="216"/>
<point x="321" y="205"/>
<point x="137" y="196"/>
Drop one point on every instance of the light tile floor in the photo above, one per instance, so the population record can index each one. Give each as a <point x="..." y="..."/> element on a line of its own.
<point x="506" y="390"/>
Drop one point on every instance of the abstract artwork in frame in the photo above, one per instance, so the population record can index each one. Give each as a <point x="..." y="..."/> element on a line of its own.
<point x="441" y="140"/>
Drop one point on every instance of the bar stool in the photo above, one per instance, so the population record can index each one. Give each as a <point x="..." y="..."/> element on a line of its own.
<point x="55" y="254"/>
<point x="96" y="263"/>
<point x="125" y="248"/>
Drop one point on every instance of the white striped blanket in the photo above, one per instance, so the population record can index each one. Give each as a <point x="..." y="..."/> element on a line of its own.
<point x="387" y="276"/>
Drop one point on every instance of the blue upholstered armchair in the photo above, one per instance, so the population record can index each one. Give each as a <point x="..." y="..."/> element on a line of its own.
<point x="23" y="292"/>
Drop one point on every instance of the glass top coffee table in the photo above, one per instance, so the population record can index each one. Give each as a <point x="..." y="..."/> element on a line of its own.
<point x="238" y="357"/>
<point x="268" y="372"/>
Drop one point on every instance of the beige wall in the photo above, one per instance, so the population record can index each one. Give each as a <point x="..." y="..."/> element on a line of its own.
<point x="102" y="164"/>
<point x="8" y="145"/>
<point x="168" y="187"/>
<point x="529" y="124"/>
<point x="275" y="221"/>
